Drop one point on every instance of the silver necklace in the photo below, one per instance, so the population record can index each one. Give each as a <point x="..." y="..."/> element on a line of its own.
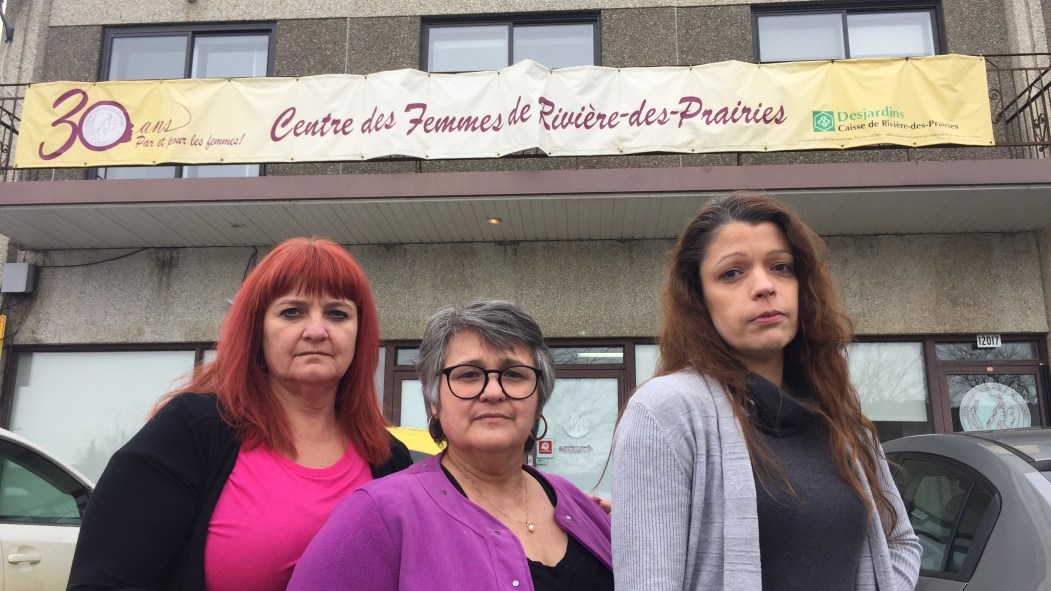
<point x="525" y="493"/>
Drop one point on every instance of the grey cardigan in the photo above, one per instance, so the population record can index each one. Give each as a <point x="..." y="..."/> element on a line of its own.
<point x="684" y="499"/>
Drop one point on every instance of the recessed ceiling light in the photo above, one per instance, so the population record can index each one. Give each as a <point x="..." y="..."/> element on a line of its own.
<point x="494" y="221"/>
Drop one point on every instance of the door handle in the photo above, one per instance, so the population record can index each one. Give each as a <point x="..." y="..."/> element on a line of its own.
<point x="30" y="557"/>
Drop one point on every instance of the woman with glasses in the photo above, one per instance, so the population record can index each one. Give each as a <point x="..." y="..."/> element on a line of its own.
<point x="473" y="517"/>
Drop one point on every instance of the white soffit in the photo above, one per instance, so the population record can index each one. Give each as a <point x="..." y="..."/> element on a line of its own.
<point x="534" y="217"/>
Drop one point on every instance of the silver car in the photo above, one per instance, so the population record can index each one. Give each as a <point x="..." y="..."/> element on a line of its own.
<point x="41" y="504"/>
<point x="980" y="503"/>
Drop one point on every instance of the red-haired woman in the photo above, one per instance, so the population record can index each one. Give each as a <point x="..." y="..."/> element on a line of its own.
<point x="226" y="484"/>
<point x="747" y="464"/>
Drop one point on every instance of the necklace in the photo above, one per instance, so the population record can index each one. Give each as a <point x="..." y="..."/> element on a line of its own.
<point x="525" y="493"/>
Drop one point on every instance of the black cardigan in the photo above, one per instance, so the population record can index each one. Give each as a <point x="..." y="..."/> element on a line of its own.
<point x="147" y="520"/>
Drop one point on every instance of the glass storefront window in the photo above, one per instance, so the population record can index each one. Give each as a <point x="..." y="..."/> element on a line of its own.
<point x="970" y="352"/>
<point x="82" y="406"/>
<point x="413" y="407"/>
<point x="980" y="402"/>
<point x="580" y="417"/>
<point x="406" y="356"/>
<point x="645" y="362"/>
<point x="588" y="355"/>
<point x="890" y="380"/>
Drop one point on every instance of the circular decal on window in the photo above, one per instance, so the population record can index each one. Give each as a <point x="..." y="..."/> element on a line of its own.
<point x="993" y="406"/>
<point x="105" y="124"/>
<point x="576" y="424"/>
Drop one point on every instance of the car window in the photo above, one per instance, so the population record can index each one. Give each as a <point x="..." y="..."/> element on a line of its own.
<point x="35" y="490"/>
<point x="946" y="507"/>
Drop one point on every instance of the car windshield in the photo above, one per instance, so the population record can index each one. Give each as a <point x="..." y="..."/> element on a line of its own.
<point x="1047" y="475"/>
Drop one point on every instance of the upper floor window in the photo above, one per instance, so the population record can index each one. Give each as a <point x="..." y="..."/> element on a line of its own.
<point x="472" y="45"/>
<point x="841" y="33"/>
<point x="202" y="51"/>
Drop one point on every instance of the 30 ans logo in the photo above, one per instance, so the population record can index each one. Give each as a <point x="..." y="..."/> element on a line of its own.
<point x="824" y="121"/>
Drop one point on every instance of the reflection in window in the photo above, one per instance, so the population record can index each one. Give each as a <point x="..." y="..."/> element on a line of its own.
<point x="407" y="356"/>
<point x="588" y="355"/>
<point x="890" y="34"/>
<point x="970" y="352"/>
<point x="797" y="37"/>
<point x="946" y="508"/>
<point x="979" y="402"/>
<point x="645" y="362"/>
<point x="838" y="34"/>
<point x="890" y="380"/>
<point x="413" y="406"/>
<point x="34" y="490"/>
<point x="476" y="46"/>
<point x="82" y="406"/>
<point x="581" y="416"/>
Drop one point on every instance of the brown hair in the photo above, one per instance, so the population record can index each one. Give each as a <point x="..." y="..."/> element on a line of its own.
<point x="689" y="340"/>
<point x="313" y="266"/>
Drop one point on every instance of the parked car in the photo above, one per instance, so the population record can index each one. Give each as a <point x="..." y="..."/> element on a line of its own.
<point x="42" y="502"/>
<point x="980" y="503"/>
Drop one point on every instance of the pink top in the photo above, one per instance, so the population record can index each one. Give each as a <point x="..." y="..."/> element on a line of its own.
<point x="268" y="511"/>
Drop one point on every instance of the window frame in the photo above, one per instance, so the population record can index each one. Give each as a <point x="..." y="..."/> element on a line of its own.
<point x="511" y="21"/>
<point x="190" y="31"/>
<point x="933" y="8"/>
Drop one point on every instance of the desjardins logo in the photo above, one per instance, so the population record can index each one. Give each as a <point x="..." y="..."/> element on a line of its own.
<point x="824" y="121"/>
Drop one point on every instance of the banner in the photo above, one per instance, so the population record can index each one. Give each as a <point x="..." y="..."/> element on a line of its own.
<point x="720" y="107"/>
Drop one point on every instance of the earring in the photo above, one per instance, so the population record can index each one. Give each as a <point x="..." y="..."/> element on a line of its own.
<point x="541" y="418"/>
<point x="434" y="428"/>
<point x="532" y="438"/>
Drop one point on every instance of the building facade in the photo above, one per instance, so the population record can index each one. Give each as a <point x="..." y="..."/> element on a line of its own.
<point x="943" y="253"/>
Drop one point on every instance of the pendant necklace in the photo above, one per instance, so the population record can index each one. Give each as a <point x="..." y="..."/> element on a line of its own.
<point x="525" y="493"/>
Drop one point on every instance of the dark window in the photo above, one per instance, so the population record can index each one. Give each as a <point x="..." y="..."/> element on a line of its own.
<point x="206" y="51"/>
<point x="468" y="45"/>
<point x="34" y="490"/>
<point x="952" y="510"/>
<point x="811" y="33"/>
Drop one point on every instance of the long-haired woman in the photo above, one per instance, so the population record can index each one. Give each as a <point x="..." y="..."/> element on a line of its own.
<point x="747" y="463"/>
<point x="226" y="484"/>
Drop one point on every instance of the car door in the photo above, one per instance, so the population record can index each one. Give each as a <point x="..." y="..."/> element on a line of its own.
<point x="41" y="506"/>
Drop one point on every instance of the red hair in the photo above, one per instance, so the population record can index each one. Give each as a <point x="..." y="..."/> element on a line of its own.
<point x="313" y="267"/>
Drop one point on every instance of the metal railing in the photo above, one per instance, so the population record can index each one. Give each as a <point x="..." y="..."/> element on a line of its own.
<point x="11" y="96"/>
<point x="1019" y="95"/>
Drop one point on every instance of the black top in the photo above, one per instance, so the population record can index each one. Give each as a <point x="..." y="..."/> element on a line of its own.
<point x="147" y="520"/>
<point x="578" y="570"/>
<point x="811" y="539"/>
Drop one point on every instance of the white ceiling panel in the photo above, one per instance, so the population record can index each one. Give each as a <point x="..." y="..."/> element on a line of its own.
<point x="531" y="217"/>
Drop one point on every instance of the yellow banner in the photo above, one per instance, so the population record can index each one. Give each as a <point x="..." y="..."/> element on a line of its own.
<point x="721" y="107"/>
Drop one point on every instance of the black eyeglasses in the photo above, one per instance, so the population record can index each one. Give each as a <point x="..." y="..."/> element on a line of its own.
<point x="469" y="381"/>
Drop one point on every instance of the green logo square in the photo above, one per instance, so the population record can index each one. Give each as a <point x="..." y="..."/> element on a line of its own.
<point x="824" y="121"/>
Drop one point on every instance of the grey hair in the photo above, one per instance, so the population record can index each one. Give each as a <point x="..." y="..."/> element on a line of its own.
<point x="499" y="324"/>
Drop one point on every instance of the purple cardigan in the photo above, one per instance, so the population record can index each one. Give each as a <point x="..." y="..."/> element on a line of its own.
<point x="414" y="530"/>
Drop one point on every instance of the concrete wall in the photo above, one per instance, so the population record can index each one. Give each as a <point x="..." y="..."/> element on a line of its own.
<point x="941" y="283"/>
<point x="914" y="284"/>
